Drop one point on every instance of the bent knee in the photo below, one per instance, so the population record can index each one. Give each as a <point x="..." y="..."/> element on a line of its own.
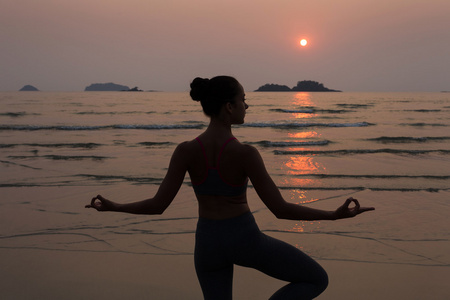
<point x="322" y="281"/>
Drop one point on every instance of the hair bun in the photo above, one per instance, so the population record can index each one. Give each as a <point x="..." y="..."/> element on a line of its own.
<point x="200" y="89"/>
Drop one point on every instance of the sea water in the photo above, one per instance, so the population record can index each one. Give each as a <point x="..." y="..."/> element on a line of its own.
<point x="390" y="150"/>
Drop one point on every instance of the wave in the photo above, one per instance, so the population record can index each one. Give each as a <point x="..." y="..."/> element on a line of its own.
<point x="156" y="127"/>
<point x="85" y="127"/>
<point x="423" y="110"/>
<point x="86" y="180"/>
<point x="354" y="106"/>
<point x="61" y="157"/>
<point x="408" y="139"/>
<point x="424" y="124"/>
<point x="303" y="111"/>
<point x="171" y="126"/>
<point x="105" y="180"/>
<point x="17" y="114"/>
<point x="114" y="112"/>
<point x="312" y="111"/>
<point x="57" y="145"/>
<point x="334" y="111"/>
<point x="359" y="151"/>
<point x="362" y="188"/>
<point x="297" y="125"/>
<point x="291" y="144"/>
<point x="79" y="145"/>
<point x="155" y="144"/>
<point x="370" y="176"/>
<point x="121" y="178"/>
<point x="23" y="184"/>
<point x="8" y="145"/>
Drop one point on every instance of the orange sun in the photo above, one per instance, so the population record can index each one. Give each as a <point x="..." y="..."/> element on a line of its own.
<point x="303" y="42"/>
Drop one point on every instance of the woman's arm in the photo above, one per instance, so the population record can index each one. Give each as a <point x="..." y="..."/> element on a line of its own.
<point x="164" y="196"/>
<point x="272" y="198"/>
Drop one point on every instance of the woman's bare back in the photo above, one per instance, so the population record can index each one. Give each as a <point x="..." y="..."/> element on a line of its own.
<point x="227" y="156"/>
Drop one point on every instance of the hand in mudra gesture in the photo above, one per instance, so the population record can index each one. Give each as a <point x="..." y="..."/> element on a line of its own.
<point x="101" y="204"/>
<point x="345" y="211"/>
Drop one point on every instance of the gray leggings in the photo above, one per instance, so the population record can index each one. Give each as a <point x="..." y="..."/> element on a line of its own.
<point x="219" y="244"/>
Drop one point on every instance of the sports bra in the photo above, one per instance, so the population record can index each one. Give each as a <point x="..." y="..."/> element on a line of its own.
<point x="213" y="183"/>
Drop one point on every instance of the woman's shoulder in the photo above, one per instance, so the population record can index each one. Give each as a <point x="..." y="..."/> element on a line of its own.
<point x="245" y="149"/>
<point x="242" y="148"/>
<point x="187" y="145"/>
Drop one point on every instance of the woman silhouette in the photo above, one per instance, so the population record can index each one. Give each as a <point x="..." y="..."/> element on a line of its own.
<point x="219" y="167"/>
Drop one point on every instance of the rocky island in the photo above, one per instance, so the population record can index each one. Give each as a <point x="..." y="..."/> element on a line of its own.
<point x="135" y="89"/>
<point x="28" y="88"/>
<point x="106" y="87"/>
<point x="302" y="86"/>
<point x="270" y="87"/>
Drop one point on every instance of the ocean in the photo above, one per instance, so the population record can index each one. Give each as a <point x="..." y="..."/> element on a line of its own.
<point x="389" y="150"/>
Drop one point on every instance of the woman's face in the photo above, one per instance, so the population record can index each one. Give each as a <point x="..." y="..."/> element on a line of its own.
<point x="239" y="106"/>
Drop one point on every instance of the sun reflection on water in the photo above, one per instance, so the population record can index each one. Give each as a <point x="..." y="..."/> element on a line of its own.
<point x="303" y="99"/>
<point x="303" y="135"/>
<point x="302" y="164"/>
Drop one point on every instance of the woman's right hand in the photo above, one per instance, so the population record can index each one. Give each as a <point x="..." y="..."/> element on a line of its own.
<point x="345" y="211"/>
<point x="101" y="204"/>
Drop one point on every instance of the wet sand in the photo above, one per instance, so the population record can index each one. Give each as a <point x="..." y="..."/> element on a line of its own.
<point x="60" y="250"/>
<point x="43" y="274"/>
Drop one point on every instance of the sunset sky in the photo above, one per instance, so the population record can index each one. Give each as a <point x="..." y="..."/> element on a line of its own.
<point x="353" y="45"/>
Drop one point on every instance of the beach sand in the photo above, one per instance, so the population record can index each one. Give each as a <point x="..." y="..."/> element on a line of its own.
<point x="65" y="262"/>
<point x="43" y="274"/>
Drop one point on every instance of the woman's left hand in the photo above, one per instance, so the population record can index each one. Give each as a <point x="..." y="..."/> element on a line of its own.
<point x="101" y="204"/>
<point x="345" y="211"/>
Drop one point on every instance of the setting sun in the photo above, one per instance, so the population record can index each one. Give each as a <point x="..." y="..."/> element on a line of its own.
<point x="303" y="42"/>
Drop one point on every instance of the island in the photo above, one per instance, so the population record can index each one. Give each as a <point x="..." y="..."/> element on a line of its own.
<point x="135" y="89"/>
<point x="302" y="86"/>
<point x="106" y="87"/>
<point x="28" y="88"/>
<point x="270" y="87"/>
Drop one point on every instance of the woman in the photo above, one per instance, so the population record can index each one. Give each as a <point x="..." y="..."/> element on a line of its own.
<point x="219" y="167"/>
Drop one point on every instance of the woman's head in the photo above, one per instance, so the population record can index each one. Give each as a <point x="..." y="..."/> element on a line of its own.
<point x="215" y="92"/>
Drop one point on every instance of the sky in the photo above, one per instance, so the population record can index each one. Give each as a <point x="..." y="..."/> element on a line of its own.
<point x="353" y="45"/>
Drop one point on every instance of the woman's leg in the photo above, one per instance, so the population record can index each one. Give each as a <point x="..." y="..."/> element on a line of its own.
<point x="285" y="262"/>
<point x="216" y="284"/>
<point x="214" y="270"/>
<point x="220" y="244"/>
